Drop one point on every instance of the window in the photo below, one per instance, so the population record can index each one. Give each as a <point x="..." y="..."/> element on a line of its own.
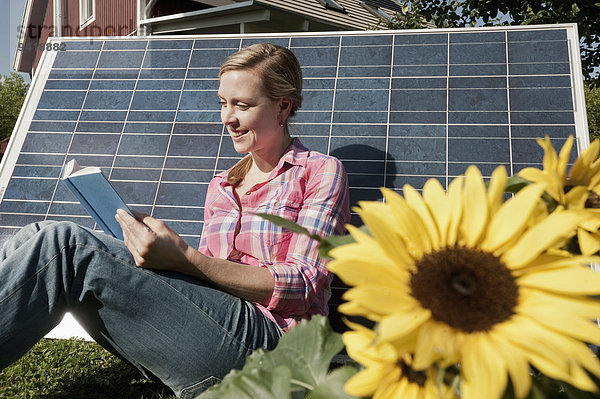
<point x="378" y="12"/>
<point x="86" y="12"/>
<point x="332" y="5"/>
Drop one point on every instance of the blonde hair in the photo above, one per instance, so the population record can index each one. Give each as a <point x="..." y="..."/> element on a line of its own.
<point x="281" y="74"/>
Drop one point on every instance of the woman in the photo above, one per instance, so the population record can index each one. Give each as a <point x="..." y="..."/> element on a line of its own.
<point x="188" y="316"/>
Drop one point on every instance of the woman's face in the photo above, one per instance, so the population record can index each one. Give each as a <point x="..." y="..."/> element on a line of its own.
<point x="251" y="117"/>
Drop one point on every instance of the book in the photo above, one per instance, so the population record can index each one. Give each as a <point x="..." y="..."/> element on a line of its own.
<point x="96" y="194"/>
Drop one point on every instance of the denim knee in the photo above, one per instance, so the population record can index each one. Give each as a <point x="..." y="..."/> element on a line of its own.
<point x="196" y="389"/>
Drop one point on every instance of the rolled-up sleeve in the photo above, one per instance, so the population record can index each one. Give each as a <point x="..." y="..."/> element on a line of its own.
<point x="302" y="281"/>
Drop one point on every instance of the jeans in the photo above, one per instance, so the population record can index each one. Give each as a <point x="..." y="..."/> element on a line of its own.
<point x="184" y="331"/>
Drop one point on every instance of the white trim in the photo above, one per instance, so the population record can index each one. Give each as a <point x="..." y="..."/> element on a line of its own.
<point x="89" y="17"/>
<point x="22" y="33"/>
<point x="19" y="133"/>
<point x="581" y="123"/>
<point x="328" y="33"/>
<point x="57" y="7"/>
<point x="191" y="14"/>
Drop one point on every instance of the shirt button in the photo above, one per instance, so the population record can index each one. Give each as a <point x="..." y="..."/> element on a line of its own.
<point x="276" y="203"/>
<point x="248" y="193"/>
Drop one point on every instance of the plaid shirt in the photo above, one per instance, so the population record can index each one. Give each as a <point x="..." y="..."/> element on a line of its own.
<point x="306" y="187"/>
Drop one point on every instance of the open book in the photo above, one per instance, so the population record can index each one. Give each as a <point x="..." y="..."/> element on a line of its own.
<point x="96" y="194"/>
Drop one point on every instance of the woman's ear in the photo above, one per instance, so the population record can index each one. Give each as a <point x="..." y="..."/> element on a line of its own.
<point x="285" y="107"/>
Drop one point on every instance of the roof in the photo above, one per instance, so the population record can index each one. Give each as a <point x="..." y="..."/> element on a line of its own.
<point x="355" y="17"/>
<point x="267" y="15"/>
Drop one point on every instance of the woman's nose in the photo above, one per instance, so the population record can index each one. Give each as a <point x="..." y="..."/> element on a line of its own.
<point x="227" y="116"/>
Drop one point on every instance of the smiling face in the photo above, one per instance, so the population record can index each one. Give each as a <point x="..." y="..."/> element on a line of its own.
<point x="251" y="117"/>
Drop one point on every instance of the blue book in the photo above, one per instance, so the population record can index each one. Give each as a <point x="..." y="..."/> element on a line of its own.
<point x="96" y="194"/>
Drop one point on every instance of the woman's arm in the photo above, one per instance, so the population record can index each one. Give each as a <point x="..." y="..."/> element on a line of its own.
<point x="162" y="248"/>
<point x="302" y="279"/>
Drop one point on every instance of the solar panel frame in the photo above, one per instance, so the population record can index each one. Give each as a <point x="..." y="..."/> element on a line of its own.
<point x="362" y="104"/>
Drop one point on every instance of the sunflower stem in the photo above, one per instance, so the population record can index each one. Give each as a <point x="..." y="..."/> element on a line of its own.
<point x="440" y="380"/>
<point x="302" y="384"/>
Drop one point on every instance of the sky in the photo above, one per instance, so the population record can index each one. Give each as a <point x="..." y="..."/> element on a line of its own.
<point x="10" y="22"/>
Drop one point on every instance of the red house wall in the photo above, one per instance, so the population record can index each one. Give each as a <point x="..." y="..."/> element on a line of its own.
<point x="113" y="18"/>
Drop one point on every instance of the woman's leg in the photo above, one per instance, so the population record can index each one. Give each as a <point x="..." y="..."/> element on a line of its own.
<point x="184" y="331"/>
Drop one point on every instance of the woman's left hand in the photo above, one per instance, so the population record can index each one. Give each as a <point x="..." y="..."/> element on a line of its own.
<point x="152" y="243"/>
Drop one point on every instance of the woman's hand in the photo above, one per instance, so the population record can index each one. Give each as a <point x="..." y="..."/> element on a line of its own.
<point x="155" y="246"/>
<point x="152" y="243"/>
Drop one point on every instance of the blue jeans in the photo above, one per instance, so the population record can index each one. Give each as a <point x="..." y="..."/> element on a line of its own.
<point x="184" y="331"/>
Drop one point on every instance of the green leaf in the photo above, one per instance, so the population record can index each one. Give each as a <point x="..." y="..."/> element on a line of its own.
<point x="288" y="224"/>
<point x="255" y="383"/>
<point x="328" y="243"/>
<point x="333" y="386"/>
<point x="515" y="183"/>
<point x="305" y="351"/>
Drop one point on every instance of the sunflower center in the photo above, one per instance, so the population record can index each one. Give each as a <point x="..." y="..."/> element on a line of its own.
<point x="414" y="376"/>
<point x="468" y="289"/>
<point x="593" y="200"/>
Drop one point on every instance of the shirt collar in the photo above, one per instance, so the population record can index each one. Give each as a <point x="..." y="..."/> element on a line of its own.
<point x="296" y="154"/>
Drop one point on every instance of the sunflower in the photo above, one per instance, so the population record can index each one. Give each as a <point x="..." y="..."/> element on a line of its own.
<point x="579" y="190"/>
<point x="386" y="373"/>
<point x="461" y="277"/>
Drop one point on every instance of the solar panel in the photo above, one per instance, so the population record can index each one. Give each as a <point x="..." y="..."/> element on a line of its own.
<point x="396" y="107"/>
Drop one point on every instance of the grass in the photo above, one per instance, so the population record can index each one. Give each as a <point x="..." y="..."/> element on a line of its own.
<point x="75" y="369"/>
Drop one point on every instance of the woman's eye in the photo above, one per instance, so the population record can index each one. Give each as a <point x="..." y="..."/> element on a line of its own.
<point x="223" y="103"/>
<point x="242" y="106"/>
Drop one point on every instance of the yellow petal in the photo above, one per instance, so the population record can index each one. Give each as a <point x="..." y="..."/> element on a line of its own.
<point x="544" y="348"/>
<point x="576" y="197"/>
<point x="386" y="230"/>
<point x="415" y="201"/>
<point x="366" y="381"/>
<point x="571" y="325"/>
<point x="397" y="325"/>
<point x="558" y="225"/>
<point x="555" y="260"/>
<point x="456" y="209"/>
<point x="483" y="369"/>
<point x="516" y="363"/>
<point x="579" y="280"/>
<point x="550" y="159"/>
<point x="496" y="189"/>
<point x="431" y="346"/>
<point x="582" y="170"/>
<point x="563" y="158"/>
<point x="361" y="346"/>
<point x="512" y="217"/>
<point x="476" y="207"/>
<point x="407" y="223"/>
<point x="351" y="261"/>
<point x="591" y="222"/>
<point x="581" y="306"/>
<point x="356" y="309"/>
<point x="439" y="205"/>
<point x="588" y="243"/>
<point x="381" y="299"/>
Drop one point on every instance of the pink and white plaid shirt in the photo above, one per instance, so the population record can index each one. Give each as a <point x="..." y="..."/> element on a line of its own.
<point x="306" y="187"/>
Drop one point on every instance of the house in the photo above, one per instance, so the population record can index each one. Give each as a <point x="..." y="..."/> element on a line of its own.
<point x="158" y="17"/>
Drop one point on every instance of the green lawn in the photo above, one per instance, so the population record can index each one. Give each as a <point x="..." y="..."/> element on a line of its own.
<point x="75" y="369"/>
